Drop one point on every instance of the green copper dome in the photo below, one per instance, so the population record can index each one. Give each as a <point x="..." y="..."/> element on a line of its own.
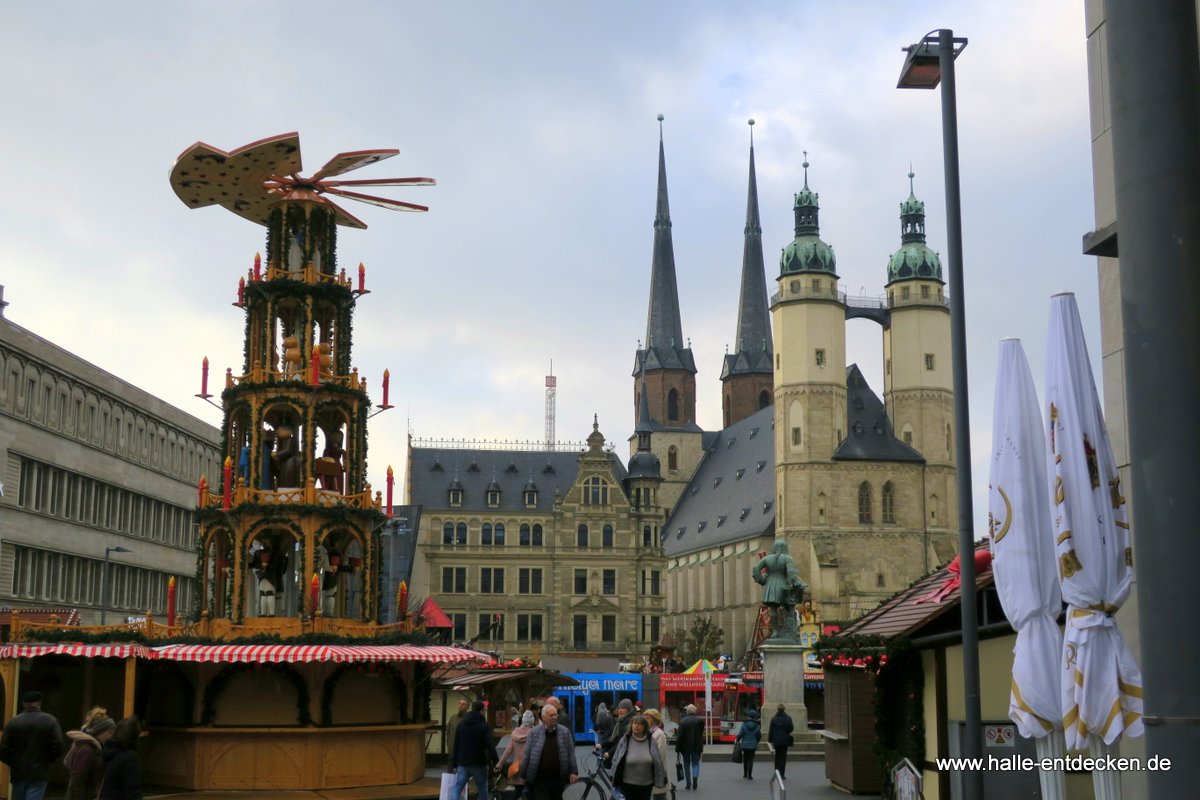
<point x="914" y="259"/>
<point x="807" y="253"/>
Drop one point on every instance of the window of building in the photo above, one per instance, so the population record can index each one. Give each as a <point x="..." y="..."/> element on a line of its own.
<point x="454" y="580"/>
<point x="610" y="581"/>
<point x="820" y="357"/>
<point x="581" y="581"/>
<point x="651" y="582"/>
<point x="523" y="535"/>
<point x="796" y="436"/>
<point x="908" y="438"/>
<point x="794" y="286"/>
<point x="537" y="535"/>
<point x="531" y="498"/>
<point x="493" y="498"/>
<point x="460" y="534"/>
<point x="498" y="534"/>
<point x="764" y="399"/>
<point x="529" y="580"/>
<point x="607" y="536"/>
<point x="529" y="627"/>
<point x="924" y="292"/>
<point x="579" y="626"/>
<point x="456" y="498"/>
<point x="651" y="628"/>
<point x="816" y="284"/>
<point x="491" y="627"/>
<point x="889" y="503"/>
<point x="673" y="458"/>
<point x="460" y="626"/>
<point x="448" y="533"/>
<point x="929" y="361"/>
<point x="608" y="628"/>
<point x="879" y="582"/>
<point x="581" y="536"/>
<point x="491" y="580"/>
<point x="904" y="292"/>
<point x="485" y="533"/>
<point x="647" y="536"/>
<point x="673" y="405"/>
<point x="887" y="366"/>
<point x="595" y="491"/>
<point x="864" y="503"/>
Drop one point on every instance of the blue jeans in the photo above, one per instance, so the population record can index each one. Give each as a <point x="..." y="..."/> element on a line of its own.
<point x="28" y="790"/>
<point x="691" y="766"/>
<point x="477" y="771"/>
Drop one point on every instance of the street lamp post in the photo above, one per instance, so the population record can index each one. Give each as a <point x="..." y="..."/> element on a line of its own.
<point x="104" y="580"/>
<point x="930" y="62"/>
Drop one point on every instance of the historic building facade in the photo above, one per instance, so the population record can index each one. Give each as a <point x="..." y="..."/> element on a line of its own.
<point x="91" y="464"/>
<point x="547" y="552"/>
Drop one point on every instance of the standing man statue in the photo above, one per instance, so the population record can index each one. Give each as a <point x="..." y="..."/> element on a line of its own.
<point x="782" y="590"/>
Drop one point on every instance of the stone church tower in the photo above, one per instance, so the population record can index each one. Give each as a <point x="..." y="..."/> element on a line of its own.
<point x="666" y="363"/>
<point x="747" y="382"/>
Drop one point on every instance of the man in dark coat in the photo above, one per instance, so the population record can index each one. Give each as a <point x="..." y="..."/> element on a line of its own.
<point x="780" y="737"/>
<point x="548" y="763"/>
<point x="31" y="741"/>
<point x="689" y="744"/>
<point x="474" y="752"/>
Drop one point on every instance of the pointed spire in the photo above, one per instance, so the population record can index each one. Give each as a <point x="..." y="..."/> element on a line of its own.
<point x="664" y="329"/>
<point x="753" y="347"/>
<point x="644" y="426"/>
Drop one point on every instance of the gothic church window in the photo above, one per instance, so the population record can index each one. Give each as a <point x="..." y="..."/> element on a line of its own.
<point x="864" y="503"/>
<point x="889" y="503"/>
<point x="764" y="399"/>
<point x="673" y="459"/>
<point x="673" y="405"/>
<point x="820" y="357"/>
<point x="796" y="436"/>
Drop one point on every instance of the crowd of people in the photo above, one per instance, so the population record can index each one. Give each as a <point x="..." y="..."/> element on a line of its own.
<point x="100" y="757"/>
<point x="539" y="761"/>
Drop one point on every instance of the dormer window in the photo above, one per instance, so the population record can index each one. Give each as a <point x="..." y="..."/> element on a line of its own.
<point x="531" y="498"/>
<point x="456" y="497"/>
<point x="493" y="498"/>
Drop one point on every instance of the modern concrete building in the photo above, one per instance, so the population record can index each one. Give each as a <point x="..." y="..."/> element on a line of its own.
<point x="91" y="464"/>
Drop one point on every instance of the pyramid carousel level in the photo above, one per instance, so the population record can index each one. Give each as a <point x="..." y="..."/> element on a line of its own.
<point x="290" y="536"/>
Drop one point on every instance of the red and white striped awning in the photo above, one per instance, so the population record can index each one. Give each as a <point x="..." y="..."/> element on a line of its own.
<point x="74" y="649"/>
<point x="291" y="654"/>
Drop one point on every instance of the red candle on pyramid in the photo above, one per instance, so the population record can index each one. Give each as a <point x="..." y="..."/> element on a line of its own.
<point x="315" y="591"/>
<point x="204" y="377"/>
<point x="386" y="379"/>
<point x="362" y="278"/>
<point x="258" y="266"/>
<point x="171" y="601"/>
<point x="391" y="483"/>
<point x="227" y="495"/>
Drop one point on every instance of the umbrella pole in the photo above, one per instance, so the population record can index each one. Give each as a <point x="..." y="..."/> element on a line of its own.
<point x="1105" y="782"/>
<point x="1053" y="781"/>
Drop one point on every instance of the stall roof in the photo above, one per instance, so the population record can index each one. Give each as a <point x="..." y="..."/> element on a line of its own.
<point x="260" y="653"/>
<point x="433" y="615"/>
<point x="547" y="677"/>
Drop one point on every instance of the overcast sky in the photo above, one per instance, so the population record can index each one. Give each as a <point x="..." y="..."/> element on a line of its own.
<point x="537" y="119"/>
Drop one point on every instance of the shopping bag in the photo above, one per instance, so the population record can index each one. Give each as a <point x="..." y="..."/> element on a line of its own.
<point x="678" y="768"/>
<point x="449" y="779"/>
<point x="737" y="755"/>
<point x="791" y="740"/>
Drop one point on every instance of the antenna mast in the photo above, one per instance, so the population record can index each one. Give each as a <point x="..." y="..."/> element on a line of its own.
<point x="551" y="392"/>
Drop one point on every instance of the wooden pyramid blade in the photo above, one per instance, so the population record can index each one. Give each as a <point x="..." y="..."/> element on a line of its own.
<point x="345" y="162"/>
<point x="383" y="202"/>
<point x="384" y="182"/>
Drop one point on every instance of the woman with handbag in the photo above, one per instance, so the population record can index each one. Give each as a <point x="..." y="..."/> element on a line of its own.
<point x="637" y="765"/>
<point x="510" y="759"/>
<point x="780" y="738"/>
<point x="747" y="742"/>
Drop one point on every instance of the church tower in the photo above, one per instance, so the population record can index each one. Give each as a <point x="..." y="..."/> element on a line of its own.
<point x="665" y="360"/>
<point x="809" y="318"/>
<point x="746" y="376"/>
<point x="918" y="383"/>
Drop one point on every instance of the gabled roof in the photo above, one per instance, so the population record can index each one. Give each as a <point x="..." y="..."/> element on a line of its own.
<point x="903" y="615"/>
<point x="434" y="468"/>
<point x="731" y="496"/>
<point x="869" y="435"/>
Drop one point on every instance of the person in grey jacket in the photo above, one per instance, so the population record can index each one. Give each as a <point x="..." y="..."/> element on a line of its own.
<point x="747" y="740"/>
<point x="638" y="767"/>
<point x="548" y="763"/>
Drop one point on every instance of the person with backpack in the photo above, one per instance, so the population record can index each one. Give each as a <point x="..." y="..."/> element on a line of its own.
<point x="747" y="741"/>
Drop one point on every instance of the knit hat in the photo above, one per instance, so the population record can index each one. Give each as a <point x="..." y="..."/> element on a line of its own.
<point x="527" y="719"/>
<point x="101" y="725"/>
<point x="626" y="704"/>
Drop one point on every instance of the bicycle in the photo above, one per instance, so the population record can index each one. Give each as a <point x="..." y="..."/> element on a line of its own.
<point x="597" y="784"/>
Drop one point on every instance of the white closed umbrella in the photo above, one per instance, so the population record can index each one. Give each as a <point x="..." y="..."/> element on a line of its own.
<point x="1102" y="684"/>
<point x="1023" y="561"/>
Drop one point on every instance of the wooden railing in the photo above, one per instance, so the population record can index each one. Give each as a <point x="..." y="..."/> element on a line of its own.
<point x="309" y="495"/>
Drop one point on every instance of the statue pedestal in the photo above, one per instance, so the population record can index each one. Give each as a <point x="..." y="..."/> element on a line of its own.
<point x="783" y="681"/>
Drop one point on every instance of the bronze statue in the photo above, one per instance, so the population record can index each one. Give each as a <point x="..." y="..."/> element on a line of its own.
<point x="782" y="590"/>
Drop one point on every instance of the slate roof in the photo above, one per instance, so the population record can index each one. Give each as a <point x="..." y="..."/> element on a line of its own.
<point x="753" y="349"/>
<point x="732" y="495"/>
<point x="434" y="468"/>
<point x="869" y="434"/>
